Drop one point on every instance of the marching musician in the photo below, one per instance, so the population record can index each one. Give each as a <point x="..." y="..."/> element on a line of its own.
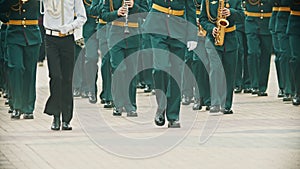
<point x="222" y="57"/>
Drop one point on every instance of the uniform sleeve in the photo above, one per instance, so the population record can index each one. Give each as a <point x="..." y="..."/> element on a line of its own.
<point x="236" y="13"/>
<point x="141" y="7"/>
<point x="95" y="8"/>
<point x="190" y="14"/>
<point x="108" y="15"/>
<point x="205" y="23"/>
<point x="80" y="15"/>
<point x="6" y="4"/>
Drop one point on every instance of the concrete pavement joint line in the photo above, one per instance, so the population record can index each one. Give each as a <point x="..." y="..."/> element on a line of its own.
<point x="44" y="160"/>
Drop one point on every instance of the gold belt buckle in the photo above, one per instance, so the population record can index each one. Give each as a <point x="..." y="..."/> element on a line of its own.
<point x="169" y="11"/>
<point x="23" y="22"/>
<point x="61" y="34"/>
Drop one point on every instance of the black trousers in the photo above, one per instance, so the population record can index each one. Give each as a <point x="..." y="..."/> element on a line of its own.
<point x="60" y="54"/>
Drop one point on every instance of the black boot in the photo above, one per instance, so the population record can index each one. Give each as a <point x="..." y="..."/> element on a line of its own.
<point x="55" y="123"/>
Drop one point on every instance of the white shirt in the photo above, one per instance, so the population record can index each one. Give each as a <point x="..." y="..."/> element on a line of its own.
<point x="53" y="14"/>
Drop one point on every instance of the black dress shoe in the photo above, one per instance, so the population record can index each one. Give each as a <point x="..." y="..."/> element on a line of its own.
<point x="247" y="90"/>
<point x="108" y="104"/>
<point x="186" y="100"/>
<point x="84" y="94"/>
<point x="10" y="110"/>
<point x="92" y="98"/>
<point x="254" y="91"/>
<point x="56" y="123"/>
<point x="140" y="85"/>
<point x="117" y="111"/>
<point x="227" y="111"/>
<point x="5" y="95"/>
<point x="6" y="102"/>
<point x="287" y="98"/>
<point x="296" y="100"/>
<point x="280" y="93"/>
<point x="132" y="114"/>
<point x="160" y="117"/>
<point x="174" y="124"/>
<point x="102" y="101"/>
<point x="76" y="93"/>
<point x="147" y="89"/>
<point x="215" y="110"/>
<point x="262" y="94"/>
<point x="238" y="89"/>
<point x="66" y="126"/>
<point x="28" y="116"/>
<point x="207" y="108"/>
<point x="15" y="114"/>
<point x="197" y="104"/>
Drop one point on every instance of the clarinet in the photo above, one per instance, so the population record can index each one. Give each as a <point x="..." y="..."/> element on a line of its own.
<point x="126" y="30"/>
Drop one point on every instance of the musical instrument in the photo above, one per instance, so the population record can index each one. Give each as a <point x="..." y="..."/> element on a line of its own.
<point x="126" y="30"/>
<point x="221" y="23"/>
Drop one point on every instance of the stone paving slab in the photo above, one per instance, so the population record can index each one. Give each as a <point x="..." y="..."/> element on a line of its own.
<point x="263" y="133"/>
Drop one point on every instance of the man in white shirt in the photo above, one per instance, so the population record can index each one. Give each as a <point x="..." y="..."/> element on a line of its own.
<point x="59" y="23"/>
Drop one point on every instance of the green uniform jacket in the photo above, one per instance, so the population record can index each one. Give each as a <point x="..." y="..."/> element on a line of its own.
<point x="282" y="17"/>
<point x="170" y="25"/>
<point x="24" y="35"/>
<point x="117" y="32"/>
<point x="273" y="17"/>
<point x="6" y="4"/>
<point x="294" y="21"/>
<point x="257" y="24"/>
<point x="230" y="42"/>
<point x="89" y="28"/>
<point x="240" y="24"/>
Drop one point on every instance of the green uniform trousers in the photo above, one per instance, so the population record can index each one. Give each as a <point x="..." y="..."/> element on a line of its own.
<point x="187" y="82"/>
<point x="168" y="64"/>
<point x="222" y="67"/>
<point x="79" y="81"/>
<point x="285" y="68"/>
<point x="106" y="69"/>
<point x="200" y="68"/>
<point x="242" y="75"/>
<point x="91" y="66"/>
<point x="277" y="59"/>
<point x="259" y="56"/>
<point x="22" y="61"/>
<point x="124" y="66"/>
<point x="295" y="61"/>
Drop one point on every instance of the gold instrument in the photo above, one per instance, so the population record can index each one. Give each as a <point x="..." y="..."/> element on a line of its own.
<point x="221" y="23"/>
<point x="126" y="30"/>
<point x="201" y="31"/>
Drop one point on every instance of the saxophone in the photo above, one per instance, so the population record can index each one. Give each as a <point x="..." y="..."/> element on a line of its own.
<point x="222" y="23"/>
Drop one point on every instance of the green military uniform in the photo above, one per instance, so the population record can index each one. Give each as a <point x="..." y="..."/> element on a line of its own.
<point x="91" y="56"/>
<point x="227" y="53"/>
<point x="242" y="79"/>
<point x="3" y="60"/>
<point x="171" y="35"/>
<point x="294" y="38"/>
<point x="23" y="40"/>
<point x="276" y="46"/>
<point x="187" y="85"/>
<point x="120" y="50"/>
<point x="258" y="13"/>
<point x="284" y="47"/>
<point x="200" y="68"/>
<point x="106" y="70"/>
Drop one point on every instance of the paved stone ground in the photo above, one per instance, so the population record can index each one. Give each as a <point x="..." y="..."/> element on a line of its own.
<point x="263" y="133"/>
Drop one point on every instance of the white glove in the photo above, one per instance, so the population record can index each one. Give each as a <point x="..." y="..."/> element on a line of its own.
<point x="191" y="45"/>
<point x="80" y="42"/>
<point x="64" y="29"/>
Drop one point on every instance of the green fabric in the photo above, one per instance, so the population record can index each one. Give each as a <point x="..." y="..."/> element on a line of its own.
<point x="236" y="15"/>
<point x="22" y="63"/>
<point x="29" y="35"/>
